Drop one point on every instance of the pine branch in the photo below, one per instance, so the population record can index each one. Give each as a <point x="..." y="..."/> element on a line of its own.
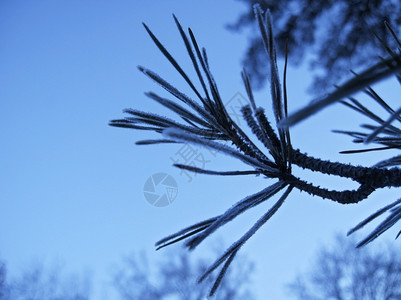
<point x="205" y="122"/>
<point x="373" y="216"/>
<point x="376" y="73"/>
<point x="395" y="216"/>
<point x="232" y="251"/>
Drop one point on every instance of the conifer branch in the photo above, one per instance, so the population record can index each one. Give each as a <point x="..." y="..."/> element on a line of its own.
<point x="204" y="121"/>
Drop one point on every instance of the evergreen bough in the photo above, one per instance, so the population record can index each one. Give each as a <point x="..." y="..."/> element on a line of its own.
<point x="207" y="123"/>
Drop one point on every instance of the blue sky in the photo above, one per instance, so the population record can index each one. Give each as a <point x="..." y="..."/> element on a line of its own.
<point x="71" y="187"/>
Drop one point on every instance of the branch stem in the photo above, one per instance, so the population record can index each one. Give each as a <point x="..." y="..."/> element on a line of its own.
<point x="374" y="177"/>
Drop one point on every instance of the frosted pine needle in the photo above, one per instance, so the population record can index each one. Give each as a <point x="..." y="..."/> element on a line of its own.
<point x="204" y="121"/>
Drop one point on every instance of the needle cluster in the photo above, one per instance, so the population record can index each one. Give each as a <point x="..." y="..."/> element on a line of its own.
<point x="205" y="122"/>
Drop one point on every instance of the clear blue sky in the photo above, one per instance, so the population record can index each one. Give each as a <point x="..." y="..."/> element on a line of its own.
<point x="71" y="187"/>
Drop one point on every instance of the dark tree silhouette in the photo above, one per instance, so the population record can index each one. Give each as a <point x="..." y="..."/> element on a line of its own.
<point x="205" y="122"/>
<point x="177" y="277"/>
<point x="39" y="283"/>
<point x="339" y="35"/>
<point x="346" y="273"/>
<point x="3" y="283"/>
